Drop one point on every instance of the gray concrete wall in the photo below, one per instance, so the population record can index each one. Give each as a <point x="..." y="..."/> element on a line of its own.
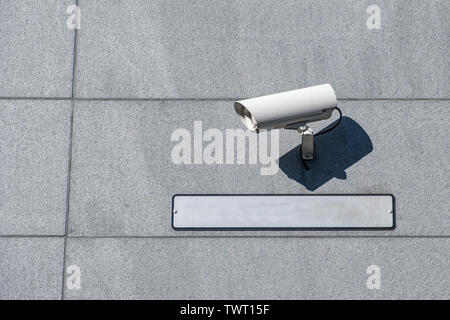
<point x="87" y="115"/>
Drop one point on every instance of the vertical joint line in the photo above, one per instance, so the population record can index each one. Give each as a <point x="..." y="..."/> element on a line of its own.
<point x="69" y="167"/>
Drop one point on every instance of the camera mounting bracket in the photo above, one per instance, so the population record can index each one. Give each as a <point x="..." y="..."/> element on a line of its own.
<point x="307" y="135"/>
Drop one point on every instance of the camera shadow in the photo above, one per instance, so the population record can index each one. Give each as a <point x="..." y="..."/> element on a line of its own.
<point x="335" y="151"/>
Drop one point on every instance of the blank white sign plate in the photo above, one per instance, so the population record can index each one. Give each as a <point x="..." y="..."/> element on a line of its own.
<point x="253" y="212"/>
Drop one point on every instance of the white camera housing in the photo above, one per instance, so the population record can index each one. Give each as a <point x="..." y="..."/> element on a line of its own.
<point x="289" y="109"/>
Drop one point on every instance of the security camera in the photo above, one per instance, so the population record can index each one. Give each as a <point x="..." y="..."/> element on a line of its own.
<point x="290" y="110"/>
